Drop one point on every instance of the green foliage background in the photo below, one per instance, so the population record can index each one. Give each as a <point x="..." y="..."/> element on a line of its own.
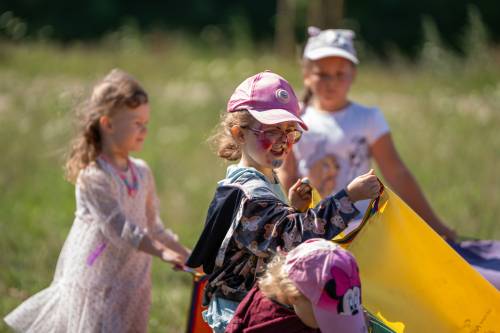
<point x="443" y="113"/>
<point x="382" y="24"/>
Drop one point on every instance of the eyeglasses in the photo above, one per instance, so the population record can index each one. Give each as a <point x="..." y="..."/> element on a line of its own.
<point x="292" y="136"/>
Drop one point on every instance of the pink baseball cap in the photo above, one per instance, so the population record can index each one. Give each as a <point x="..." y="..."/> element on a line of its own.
<point x="328" y="276"/>
<point x="268" y="97"/>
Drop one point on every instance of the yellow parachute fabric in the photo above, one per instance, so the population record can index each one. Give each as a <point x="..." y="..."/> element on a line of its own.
<point x="397" y="327"/>
<point x="315" y="197"/>
<point x="411" y="275"/>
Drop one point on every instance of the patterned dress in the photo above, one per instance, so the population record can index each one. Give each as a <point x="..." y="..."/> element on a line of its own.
<point x="102" y="283"/>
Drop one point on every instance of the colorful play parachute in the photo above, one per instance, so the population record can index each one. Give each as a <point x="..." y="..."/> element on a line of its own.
<point x="411" y="275"/>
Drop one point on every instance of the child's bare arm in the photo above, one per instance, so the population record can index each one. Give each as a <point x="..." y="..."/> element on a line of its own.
<point x="156" y="229"/>
<point x="177" y="247"/>
<point x="400" y="178"/>
<point x="157" y="249"/>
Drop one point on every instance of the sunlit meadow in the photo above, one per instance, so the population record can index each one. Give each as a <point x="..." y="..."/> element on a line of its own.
<point x="444" y="119"/>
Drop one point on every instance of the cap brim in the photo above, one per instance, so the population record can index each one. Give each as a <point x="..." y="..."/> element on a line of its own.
<point x="326" y="52"/>
<point x="331" y="322"/>
<point x="276" y="116"/>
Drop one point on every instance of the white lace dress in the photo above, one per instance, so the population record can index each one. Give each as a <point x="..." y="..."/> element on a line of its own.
<point x="102" y="282"/>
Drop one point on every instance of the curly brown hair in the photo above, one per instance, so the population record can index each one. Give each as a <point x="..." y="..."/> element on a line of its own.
<point x="222" y="141"/>
<point x="116" y="92"/>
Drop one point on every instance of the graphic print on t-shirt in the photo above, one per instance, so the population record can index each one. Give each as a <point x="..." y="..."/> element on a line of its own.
<point x="321" y="167"/>
<point x="359" y="156"/>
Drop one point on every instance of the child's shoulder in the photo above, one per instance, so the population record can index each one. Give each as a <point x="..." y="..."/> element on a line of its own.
<point x="141" y="166"/>
<point x="362" y="109"/>
<point x="370" y="116"/>
<point x="143" y="170"/>
<point x="253" y="188"/>
<point x="244" y="176"/>
<point x="140" y="163"/>
<point x="99" y="170"/>
<point x="93" y="173"/>
<point x="353" y="109"/>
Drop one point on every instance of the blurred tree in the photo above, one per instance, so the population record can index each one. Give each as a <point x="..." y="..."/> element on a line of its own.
<point x="285" y="22"/>
<point x="381" y="24"/>
<point x="325" y="13"/>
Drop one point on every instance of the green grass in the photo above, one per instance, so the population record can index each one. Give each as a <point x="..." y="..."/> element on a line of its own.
<point x="445" y="124"/>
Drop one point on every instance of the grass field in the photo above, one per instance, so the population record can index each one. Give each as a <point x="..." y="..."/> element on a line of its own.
<point x="444" y="120"/>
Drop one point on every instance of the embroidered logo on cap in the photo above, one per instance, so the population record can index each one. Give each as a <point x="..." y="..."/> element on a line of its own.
<point x="282" y="96"/>
<point x="337" y="39"/>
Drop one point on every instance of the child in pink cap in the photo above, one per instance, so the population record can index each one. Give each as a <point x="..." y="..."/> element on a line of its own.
<point x="250" y="216"/>
<point x="314" y="288"/>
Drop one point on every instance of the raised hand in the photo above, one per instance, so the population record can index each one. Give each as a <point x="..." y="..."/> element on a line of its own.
<point x="300" y="195"/>
<point x="366" y="186"/>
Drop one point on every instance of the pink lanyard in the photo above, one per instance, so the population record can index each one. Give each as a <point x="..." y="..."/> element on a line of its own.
<point x="131" y="188"/>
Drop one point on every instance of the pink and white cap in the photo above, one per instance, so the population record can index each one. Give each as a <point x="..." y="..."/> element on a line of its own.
<point x="268" y="97"/>
<point x="330" y="43"/>
<point x="328" y="276"/>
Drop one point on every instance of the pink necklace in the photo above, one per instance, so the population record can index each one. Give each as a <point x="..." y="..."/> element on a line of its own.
<point x="131" y="188"/>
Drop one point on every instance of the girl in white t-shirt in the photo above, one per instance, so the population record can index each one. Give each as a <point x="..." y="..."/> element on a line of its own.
<point x="344" y="131"/>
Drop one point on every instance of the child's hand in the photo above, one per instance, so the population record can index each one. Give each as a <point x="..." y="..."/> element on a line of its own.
<point x="366" y="186"/>
<point x="172" y="257"/>
<point x="300" y="195"/>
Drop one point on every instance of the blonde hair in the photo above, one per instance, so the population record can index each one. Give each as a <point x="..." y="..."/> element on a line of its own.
<point x="116" y="92"/>
<point x="275" y="283"/>
<point x="222" y="141"/>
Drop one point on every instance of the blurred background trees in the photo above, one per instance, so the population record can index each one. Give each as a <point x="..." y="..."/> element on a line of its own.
<point x="382" y="26"/>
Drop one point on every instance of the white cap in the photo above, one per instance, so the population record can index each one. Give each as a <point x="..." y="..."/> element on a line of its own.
<point x="330" y="43"/>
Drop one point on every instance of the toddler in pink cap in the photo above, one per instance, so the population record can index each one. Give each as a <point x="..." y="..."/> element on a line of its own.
<point x="250" y="216"/>
<point x="314" y="288"/>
